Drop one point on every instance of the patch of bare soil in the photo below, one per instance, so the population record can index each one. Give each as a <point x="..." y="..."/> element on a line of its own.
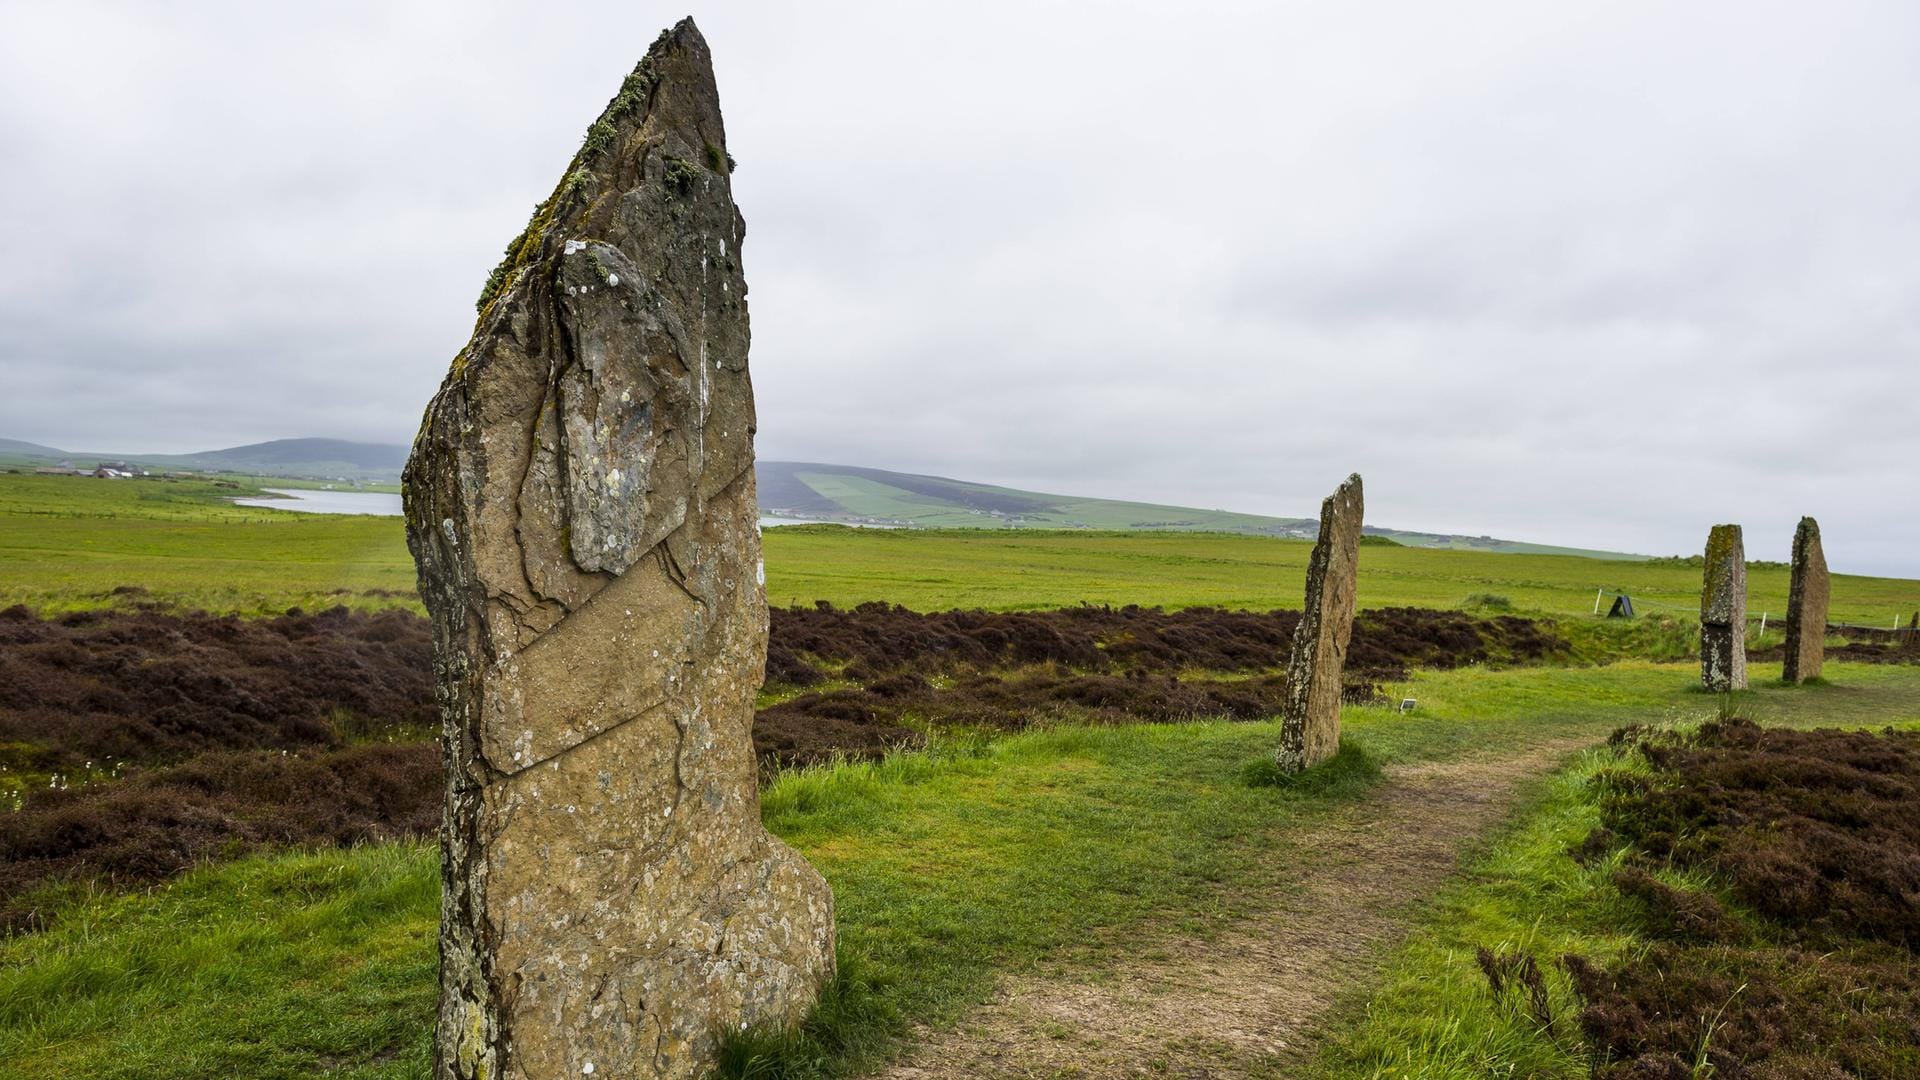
<point x="1247" y="1000"/>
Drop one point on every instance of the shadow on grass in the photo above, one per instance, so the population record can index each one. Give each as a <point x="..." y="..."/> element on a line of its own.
<point x="1348" y="774"/>
<point x="852" y="1021"/>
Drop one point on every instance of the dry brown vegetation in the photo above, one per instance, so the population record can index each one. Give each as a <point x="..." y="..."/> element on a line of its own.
<point x="1006" y="671"/>
<point x="154" y="741"/>
<point x="1804" y="966"/>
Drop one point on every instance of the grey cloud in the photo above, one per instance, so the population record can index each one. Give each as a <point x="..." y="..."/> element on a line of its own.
<point x="1594" y="274"/>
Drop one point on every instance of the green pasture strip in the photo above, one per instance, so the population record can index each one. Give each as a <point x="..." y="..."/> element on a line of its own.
<point x="1433" y="1016"/>
<point x="1015" y="570"/>
<point x="68" y="542"/>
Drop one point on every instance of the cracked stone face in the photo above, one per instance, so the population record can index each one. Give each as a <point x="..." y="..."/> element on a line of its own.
<point x="580" y="502"/>
<point x="1310" y="713"/>
<point x="1807" y="606"/>
<point x="1723" y="612"/>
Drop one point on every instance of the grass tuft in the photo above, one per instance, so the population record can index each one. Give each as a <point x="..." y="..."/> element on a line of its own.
<point x="1348" y="774"/>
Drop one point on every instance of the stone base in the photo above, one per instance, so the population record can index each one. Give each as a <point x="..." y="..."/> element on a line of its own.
<point x="1723" y="658"/>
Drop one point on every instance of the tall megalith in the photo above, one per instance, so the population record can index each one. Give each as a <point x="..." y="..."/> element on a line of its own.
<point x="1310" y="709"/>
<point x="1806" y="606"/>
<point x="580" y="502"/>
<point x="1723" y="612"/>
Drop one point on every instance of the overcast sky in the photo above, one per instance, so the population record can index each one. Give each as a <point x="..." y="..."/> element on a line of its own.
<point x="1598" y="274"/>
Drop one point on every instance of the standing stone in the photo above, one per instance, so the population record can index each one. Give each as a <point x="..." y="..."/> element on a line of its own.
<point x="1806" y="606"/>
<point x="1723" y="612"/>
<point x="1310" y="712"/>
<point x="580" y="502"/>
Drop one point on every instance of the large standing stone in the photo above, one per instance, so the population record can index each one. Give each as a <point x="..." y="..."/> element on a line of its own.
<point x="1310" y="712"/>
<point x="1806" y="606"/>
<point x="1723" y="612"/>
<point x="580" y="502"/>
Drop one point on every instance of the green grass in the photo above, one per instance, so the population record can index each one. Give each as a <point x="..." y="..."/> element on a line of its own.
<point x="284" y="966"/>
<point x="950" y="868"/>
<point x="67" y="542"/>
<point x="1013" y="570"/>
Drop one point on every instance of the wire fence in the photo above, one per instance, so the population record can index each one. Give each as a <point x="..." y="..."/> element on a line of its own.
<point x="1600" y="594"/>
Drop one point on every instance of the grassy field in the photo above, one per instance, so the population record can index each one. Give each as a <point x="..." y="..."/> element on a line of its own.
<point x="69" y="542"/>
<point x="951" y="867"/>
<point x="66" y="543"/>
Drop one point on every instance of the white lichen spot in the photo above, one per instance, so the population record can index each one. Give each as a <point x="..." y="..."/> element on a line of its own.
<point x="572" y="246"/>
<point x="587" y="1069"/>
<point x="613" y="279"/>
<point x="613" y="476"/>
<point x="760" y="572"/>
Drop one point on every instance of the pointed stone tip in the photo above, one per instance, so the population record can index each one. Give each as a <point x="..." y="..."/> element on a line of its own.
<point x="683" y="32"/>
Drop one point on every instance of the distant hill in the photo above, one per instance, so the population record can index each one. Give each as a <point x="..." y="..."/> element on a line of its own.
<point x="304" y="453"/>
<point x="854" y="495"/>
<point x="10" y="447"/>
<point x="315" y="459"/>
<point x="800" y="491"/>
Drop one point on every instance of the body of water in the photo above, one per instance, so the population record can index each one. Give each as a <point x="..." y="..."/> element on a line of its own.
<point x="308" y="501"/>
<point x="311" y="501"/>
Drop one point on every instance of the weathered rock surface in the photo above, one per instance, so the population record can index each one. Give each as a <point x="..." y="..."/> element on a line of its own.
<point x="1723" y="612"/>
<point x="1807" y="606"/>
<point x="580" y="502"/>
<point x="1310" y="715"/>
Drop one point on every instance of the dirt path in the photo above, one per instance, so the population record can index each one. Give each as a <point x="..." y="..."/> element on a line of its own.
<point x="1246" y="1000"/>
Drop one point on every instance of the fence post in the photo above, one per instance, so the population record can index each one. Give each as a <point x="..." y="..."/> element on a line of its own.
<point x="1596" y="601"/>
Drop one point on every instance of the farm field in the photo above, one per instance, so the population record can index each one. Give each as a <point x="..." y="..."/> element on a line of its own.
<point x="987" y="872"/>
<point x="66" y="543"/>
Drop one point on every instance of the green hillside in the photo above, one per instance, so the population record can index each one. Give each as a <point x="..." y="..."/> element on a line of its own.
<point x="849" y="494"/>
<point x="312" y="459"/>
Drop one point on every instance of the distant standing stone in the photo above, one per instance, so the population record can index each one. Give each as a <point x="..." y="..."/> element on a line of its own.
<point x="1723" y="612"/>
<point x="1310" y="711"/>
<point x="1807" y="606"/>
<point x="580" y="502"/>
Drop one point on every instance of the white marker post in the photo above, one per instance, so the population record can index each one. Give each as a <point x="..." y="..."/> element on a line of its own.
<point x="1597" y="594"/>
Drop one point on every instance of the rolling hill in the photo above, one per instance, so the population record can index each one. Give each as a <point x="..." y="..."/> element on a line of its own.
<point x="808" y="491"/>
<point x="798" y="491"/>
<point x="313" y="459"/>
